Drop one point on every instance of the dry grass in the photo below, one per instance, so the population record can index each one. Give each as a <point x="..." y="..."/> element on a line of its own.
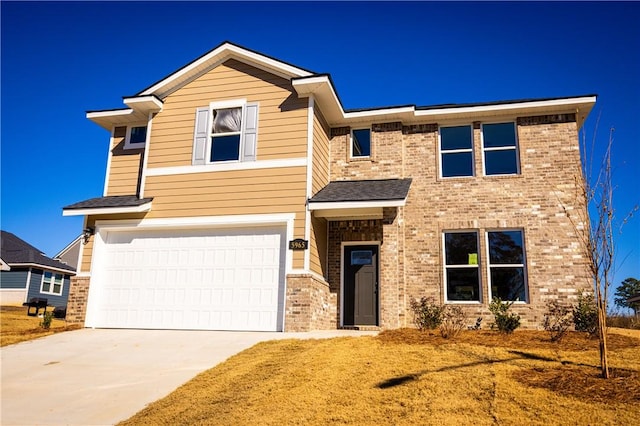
<point x="16" y="326"/>
<point x="409" y="377"/>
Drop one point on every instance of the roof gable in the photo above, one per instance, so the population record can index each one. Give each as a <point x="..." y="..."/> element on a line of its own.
<point x="218" y="55"/>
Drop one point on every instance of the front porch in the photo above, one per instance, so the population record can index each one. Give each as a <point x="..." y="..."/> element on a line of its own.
<point x="361" y="285"/>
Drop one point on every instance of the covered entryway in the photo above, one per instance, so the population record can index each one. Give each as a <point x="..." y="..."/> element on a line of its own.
<point x="363" y="238"/>
<point x="360" y="287"/>
<point x="203" y="279"/>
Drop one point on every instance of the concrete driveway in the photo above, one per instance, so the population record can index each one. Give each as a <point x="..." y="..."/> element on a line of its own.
<point x="100" y="377"/>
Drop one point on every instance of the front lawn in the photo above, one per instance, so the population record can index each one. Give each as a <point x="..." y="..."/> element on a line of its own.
<point x="16" y="326"/>
<point x="411" y="377"/>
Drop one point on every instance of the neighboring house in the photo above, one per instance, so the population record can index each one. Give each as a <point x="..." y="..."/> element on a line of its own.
<point x="27" y="272"/>
<point x="239" y="194"/>
<point x="71" y="253"/>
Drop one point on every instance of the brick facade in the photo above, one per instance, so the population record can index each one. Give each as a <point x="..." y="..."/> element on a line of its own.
<point x="410" y="237"/>
<point x="77" y="303"/>
<point x="309" y="304"/>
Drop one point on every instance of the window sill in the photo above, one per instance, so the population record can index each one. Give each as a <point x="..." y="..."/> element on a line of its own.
<point x="360" y="159"/>
<point x="512" y="175"/>
<point x="134" y="146"/>
<point x="51" y="294"/>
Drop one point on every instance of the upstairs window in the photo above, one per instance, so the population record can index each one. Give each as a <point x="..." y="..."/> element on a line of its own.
<point x="456" y="151"/>
<point x="499" y="144"/>
<point x="462" y="274"/>
<point x="506" y="265"/>
<point x="136" y="137"/>
<point x="52" y="283"/>
<point x="225" y="131"/>
<point x="360" y="143"/>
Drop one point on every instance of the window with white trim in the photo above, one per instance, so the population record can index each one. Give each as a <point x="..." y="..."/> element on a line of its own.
<point x="461" y="266"/>
<point x="507" y="277"/>
<point x="360" y="143"/>
<point x="136" y="137"/>
<point x="456" y="151"/>
<point x="225" y="131"/>
<point x="52" y="283"/>
<point x="500" y="149"/>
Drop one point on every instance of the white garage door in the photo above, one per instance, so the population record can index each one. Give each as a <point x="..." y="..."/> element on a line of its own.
<point x="229" y="279"/>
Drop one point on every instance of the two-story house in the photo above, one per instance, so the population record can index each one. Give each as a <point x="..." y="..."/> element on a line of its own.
<point x="239" y="194"/>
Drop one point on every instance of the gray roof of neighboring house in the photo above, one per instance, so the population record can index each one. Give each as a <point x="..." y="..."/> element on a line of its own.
<point x="634" y="298"/>
<point x="363" y="190"/>
<point x="111" y="201"/>
<point x="14" y="250"/>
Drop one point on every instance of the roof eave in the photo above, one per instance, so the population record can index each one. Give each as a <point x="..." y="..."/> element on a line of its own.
<point x="41" y="266"/>
<point x="325" y="95"/>
<point x="108" y="119"/>
<point x="336" y="205"/>
<point x="144" y="104"/>
<point x="4" y="266"/>
<point x="107" y="210"/>
<point x="580" y="105"/>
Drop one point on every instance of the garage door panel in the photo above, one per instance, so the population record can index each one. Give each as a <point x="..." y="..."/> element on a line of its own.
<point x="193" y="279"/>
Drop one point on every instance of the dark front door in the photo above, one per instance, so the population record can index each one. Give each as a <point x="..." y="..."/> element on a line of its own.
<point x="360" y="285"/>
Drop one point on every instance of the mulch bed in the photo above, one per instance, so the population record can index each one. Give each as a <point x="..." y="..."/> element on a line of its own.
<point x="585" y="383"/>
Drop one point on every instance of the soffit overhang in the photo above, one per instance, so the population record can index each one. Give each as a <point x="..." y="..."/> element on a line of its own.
<point x="108" y="205"/>
<point x="325" y="96"/>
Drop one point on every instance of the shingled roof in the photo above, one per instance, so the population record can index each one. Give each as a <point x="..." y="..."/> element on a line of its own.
<point x="111" y="201"/>
<point x="15" y="251"/>
<point x="363" y="190"/>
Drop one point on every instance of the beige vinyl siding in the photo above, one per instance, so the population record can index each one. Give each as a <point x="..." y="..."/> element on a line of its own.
<point x="282" y="117"/>
<point x="320" y="177"/>
<point x="272" y="190"/>
<point x="125" y="167"/>
<point x="237" y="192"/>
<point x="318" y="246"/>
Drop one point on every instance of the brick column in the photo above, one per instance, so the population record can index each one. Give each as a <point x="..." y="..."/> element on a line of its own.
<point x="310" y="305"/>
<point x="77" y="302"/>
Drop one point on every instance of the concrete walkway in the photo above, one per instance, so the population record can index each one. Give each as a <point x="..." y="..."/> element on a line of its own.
<point x="100" y="377"/>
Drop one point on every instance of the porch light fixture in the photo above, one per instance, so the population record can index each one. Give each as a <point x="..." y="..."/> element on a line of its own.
<point x="86" y="233"/>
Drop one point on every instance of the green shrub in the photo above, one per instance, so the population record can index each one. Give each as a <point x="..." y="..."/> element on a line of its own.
<point x="505" y="321"/>
<point x="557" y="320"/>
<point x="426" y="313"/>
<point x="585" y="314"/>
<point x="46" y="320"/>
<point x="453" y="321"/>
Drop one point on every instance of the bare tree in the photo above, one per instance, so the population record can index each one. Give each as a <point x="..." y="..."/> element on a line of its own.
<point x="596" y="232"/>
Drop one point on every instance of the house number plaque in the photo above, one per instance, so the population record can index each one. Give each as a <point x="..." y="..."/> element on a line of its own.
<point x="298" y="244"/>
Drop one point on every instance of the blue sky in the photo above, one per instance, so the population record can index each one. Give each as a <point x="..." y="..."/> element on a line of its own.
<point x="61" y="59"/>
